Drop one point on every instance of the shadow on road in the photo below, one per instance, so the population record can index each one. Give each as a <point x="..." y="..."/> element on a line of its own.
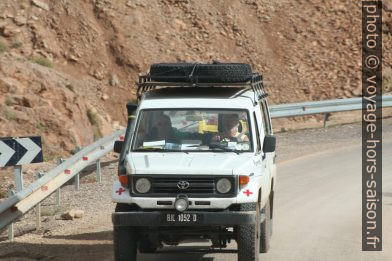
<point x="61" y="248"/>
<point x="95" y="246"/>
<point x="103" y="235"/>
<point x="17" y="233"/>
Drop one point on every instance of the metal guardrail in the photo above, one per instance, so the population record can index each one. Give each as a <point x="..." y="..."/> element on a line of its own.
<point x="18" y="204"/>
<point x="327" y="106"/>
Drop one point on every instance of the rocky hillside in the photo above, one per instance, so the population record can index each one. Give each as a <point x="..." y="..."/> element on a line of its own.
<point x="67" y="67"/>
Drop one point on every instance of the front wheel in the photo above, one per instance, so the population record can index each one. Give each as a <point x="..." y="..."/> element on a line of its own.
<point x="248" y="236"/>
<point x="266" y="229"/>
<point x="124" y="239"/>
<point x="146" y="247"/>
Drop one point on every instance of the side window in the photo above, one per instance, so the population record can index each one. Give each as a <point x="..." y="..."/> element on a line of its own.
<point x="257" y="132"/>
<point x="265" y="115"/>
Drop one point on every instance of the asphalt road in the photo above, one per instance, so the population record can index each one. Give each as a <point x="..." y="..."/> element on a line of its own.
<point x="317" y="211"/>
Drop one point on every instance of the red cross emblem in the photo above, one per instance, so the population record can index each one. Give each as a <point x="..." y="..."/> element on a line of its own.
<point x="248" y="193"/>
<point x="120" y="191"/>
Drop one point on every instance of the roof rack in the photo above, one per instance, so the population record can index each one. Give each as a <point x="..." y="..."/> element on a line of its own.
<point x="146" y="84"/>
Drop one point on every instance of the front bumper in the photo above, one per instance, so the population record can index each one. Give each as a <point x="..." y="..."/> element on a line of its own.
<point x="158" y="218"/>
<point x="121" y="194"/>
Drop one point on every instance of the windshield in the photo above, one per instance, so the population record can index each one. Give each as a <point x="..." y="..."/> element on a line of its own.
<point x="193" y="130"/>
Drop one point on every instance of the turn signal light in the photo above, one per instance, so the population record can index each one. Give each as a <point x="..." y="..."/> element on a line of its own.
<point x="244" y="180"/>
<point x="123" y="180"/>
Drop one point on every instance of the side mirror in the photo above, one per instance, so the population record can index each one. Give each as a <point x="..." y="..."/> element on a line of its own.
<point x="118" y="145"/>
<point x="269" y="143"/>
<point x="131" y="108"/>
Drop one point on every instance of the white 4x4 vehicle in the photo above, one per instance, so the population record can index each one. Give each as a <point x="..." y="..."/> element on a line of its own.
<point x="197" y="162"/>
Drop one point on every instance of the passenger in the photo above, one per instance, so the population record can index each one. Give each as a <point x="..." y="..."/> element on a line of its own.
<point x="162" y="129"/>
<point x="229" y="130"/>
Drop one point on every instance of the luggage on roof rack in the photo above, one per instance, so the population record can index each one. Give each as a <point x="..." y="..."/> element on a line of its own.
<point x="201" y="73"/>
<point x="216" y="74"/>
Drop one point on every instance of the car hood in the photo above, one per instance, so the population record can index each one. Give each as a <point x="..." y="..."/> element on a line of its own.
<point x="189" y="163"/>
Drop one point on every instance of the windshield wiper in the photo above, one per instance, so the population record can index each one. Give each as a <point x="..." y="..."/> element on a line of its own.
<point x="149" y="149"/>
<point x="223" y="148"/>
<point x="186" y="126"/>
<point x="158" y="149"/>
<point x="193" y="146"/>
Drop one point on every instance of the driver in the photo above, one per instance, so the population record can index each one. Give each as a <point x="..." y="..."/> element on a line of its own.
<point x="230" y="124"/>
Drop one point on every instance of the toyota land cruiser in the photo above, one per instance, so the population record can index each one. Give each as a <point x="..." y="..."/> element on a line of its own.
<point x="197" y="161"/>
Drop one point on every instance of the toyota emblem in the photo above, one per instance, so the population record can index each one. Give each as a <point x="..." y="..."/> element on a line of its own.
<point x="183" y="184"/>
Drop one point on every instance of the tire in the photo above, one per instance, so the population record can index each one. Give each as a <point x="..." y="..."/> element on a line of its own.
<point x="193" y="72"/>
<point x="272" y="211"/>
<point x="124" y="239"/>
<point x="146" y="247"/>
<point x="248" y="236"/>
<point x="266" y="229"/>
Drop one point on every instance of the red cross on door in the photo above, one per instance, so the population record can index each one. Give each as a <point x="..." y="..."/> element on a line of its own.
<point x="120" y="191"/>
<point x="248" y="193"/>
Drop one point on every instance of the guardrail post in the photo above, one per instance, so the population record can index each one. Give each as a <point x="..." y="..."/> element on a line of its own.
<point x="99" y="173"/>
<point x="38" y="216"/>
<point x="11" y="226"/>
<point x="77" y="177"/>
<point x="326" y="117"/>
<point x="18" y="175"/>
<point x="58" y="197"/>
<point x="38" y="207"/>
<point x="77" y="181"/>
<point x="58" y="191"/>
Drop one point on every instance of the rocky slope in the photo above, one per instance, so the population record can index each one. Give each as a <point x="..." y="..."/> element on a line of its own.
<point x="67" y="67"/>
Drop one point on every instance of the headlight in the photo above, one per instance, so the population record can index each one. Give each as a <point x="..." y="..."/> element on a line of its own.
<point x="143" y="185"/>
<point x="181" y="204"/>
<point x="223" y="185"/>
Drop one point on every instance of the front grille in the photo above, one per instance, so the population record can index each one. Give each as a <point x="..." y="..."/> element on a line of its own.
<point x="199" y="186"/>
<point x="196" y="185"/>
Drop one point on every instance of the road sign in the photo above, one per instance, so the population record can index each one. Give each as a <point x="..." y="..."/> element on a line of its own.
<point x="21" y="150"/>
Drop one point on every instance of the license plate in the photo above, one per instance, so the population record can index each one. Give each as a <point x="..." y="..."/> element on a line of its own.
<point x="181" y="218"/>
